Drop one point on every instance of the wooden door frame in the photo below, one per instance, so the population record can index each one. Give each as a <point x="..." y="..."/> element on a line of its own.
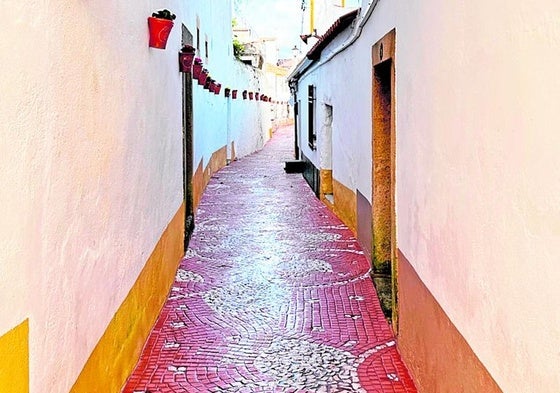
<point x="385" y="275"/>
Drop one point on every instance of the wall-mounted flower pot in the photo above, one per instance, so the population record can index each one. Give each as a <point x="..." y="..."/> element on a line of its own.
<point x="251" y="95"/>
<point x="196" y="68"/>
<point x="214" y="87"/>
<point x="159" y="32"/>
<point x="234" y="94"/>
<point x="244" y="94"/>
<point x="257" y="96"/>
<point x="227" y="92"/>
<point x="202" y="77"/>
<point x="208" y="83"/>
<point x="186" y="59"/>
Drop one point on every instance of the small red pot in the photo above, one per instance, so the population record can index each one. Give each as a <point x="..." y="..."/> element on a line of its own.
<point x="257" y="96"/>
<point x="251" y="95"/>
<point x="186" y="59"/>
<point x="159" y="32"/>
<point x="202" y="77"/>
<point x="196" y="68"/>
<point x="208" y="84"/>
<point x="244" y="94"/>
<point x="234" y="94"/>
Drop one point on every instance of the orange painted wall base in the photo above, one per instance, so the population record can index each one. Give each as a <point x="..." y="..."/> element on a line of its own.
<point x="202" y="176"/>
<point x="118" y="350"/>
<point x="326" y="181"/>
<point x="14" y="360"/>
<point x="437" y="355"/>
<point x="344" y="204"/>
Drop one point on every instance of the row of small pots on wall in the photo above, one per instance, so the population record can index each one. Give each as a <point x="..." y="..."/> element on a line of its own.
<point x="160" y="25"/>
<point x="190" y="64"/>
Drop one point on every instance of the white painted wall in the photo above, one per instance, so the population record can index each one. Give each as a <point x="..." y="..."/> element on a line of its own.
<point x="485" y="238"/>
<point x="478" y="173"/>
<point x="91" y="174"/>
<point x="247" y="117"/>
<point x="248" y="125"/>
<point x="91" y="158"/>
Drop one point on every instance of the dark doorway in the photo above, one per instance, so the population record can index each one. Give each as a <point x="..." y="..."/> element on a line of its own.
<point x="187" y="39"/>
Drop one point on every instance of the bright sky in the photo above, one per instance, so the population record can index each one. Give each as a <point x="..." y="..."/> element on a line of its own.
<point x="276" y="18"/>
<point x="272" y="18"/>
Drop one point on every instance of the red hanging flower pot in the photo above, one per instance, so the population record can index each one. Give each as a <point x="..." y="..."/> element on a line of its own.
<point x="186" y="59"/>
<point x="218" y="88"/>
<point x="257" y="96"/>
<point x="250" y="95"/>
<point x="208" y="84"/>
<point x="160" y="25"/>
<point x="202" y="77"/>
<point x="244" y="94"/>
<point x="234" y="94"/>
<point x="196" y="68"/>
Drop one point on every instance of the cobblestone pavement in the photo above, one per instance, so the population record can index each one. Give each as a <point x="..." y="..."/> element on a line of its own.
<point x="272" y="296"/>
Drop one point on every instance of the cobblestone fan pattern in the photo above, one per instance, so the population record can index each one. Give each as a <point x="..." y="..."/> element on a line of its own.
<point x="273" y="296"/>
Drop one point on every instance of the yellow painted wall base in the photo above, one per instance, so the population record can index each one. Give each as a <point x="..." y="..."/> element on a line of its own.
<point x="118" y="350"/>
<point x="217" y="162"/>
<point x="326" y="181"/>
<point x="202" y="177"/>
<point x="345" y="205"/>
<point x="198" y="185"/>
<point x="14" y="360"/>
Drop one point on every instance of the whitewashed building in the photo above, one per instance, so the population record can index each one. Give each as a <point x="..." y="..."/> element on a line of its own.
<point x="97" y="130"/>
<point x="431" y="128"/>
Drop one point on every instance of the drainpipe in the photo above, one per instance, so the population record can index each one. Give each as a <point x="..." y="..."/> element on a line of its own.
<point x="307" y="64"/>
<point x="311" y="16"/>
<point x="356" y="33"/>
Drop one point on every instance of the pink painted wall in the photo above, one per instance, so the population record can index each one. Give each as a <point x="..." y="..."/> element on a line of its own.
<point x="478" y="171"/>
<point x="91" y="158"/>
<point x="91" y="171"/>
<point x="479" y="177"/>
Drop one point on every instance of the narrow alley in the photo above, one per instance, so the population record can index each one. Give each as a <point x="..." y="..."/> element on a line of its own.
<point x="274" y="295"/>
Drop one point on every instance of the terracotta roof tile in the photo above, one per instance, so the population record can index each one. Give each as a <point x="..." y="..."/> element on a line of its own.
<point x="336" y="28"/>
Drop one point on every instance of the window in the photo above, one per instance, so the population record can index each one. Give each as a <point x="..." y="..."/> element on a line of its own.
<point x="206" y="48"/>
<point x="311" y="132"/>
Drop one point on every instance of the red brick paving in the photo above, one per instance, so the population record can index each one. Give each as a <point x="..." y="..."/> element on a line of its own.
<point x="273" y="296"/>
